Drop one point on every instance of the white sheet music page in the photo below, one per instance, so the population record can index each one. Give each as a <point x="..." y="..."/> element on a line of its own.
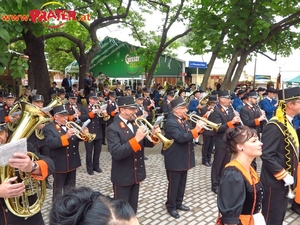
<point x="7" y="150"/>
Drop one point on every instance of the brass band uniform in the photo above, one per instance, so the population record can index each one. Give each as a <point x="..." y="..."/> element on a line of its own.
<point x="111" y="109"/>
<point x="280" y="157"/>
<point x="180" y="156"/>
<point x="74" y="108"/>
<point x="126" y="145"/>
<point x="93" y="148"/>
<point x="223" y="114"/>
<point x="148" y="104"/>
<point x="64" y="151"/>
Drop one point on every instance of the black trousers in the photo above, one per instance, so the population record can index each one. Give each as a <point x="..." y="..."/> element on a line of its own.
<point x="274" y="205"/>
<point x="103" y="127"/>
<point x="176" y="188"/>
<point x="221" y="158"/>
<point x="128" y="193"/>
<point x="62" y="181"/>
<point x="93" y="150"/>
<point x="207" y="147"/>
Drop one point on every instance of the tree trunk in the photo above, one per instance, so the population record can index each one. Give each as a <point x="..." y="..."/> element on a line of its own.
<point x="239" y="70"/>
<point x="230" y="70"/>
<point x="84" y="67"/>
<point x="152" y="68"/>
<point x="208" y="70"/>
<point x="38" y="70"/>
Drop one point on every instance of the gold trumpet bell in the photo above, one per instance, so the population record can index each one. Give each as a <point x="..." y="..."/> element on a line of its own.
<point x="90" y="137"/>
<point x="20" y="206"/>
<point x="165" y="141"/>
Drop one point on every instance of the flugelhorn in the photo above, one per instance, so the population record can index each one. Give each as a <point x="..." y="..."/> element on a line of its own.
<point x="78" y="132"/>
<point x="141" y="122"/>
<point x="102" y="114"/>
<point x="208" y="124"/>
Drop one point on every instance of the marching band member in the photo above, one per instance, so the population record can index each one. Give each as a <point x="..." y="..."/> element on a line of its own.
<point x="158" y="96"/>
<point x="208" y="135"/>
<point x="250" y="114"/>
<point x="52" y="90"/>
<point x="139" y="88"/>
<point x="141" y="113"/>
<point x="260" y="92"/>
<point x="269" y="104"/>
<point x="61" y="94"/>
<point x="64" y="151"/>
<point x="78" y="94"/>
<point x="93" y="148"/>
<point x="223" y="114"/>
<point x="9" y="188"/>
<point x="195" y="106"/>
<point x="9" y="100"/>
<point x="101" y="101"/>
<point x="105" y="92"/>
<point x="74" y="108"/>
<point x="280" y="158"/>
<point x="182" y="93"/>
<point x="126" y="143"/>
<point x="180" y="156"/>
<point x="148" y="104"/>
<point x="166" y="106"/>
<point x="127" y="91"/>
<point x="237" y="101"/>
<point x="112" y="107"/>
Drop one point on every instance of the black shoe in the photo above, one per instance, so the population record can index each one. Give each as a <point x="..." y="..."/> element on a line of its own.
<point x="103" y="143"/>
<point x="173" y="213"/>
<point x="48" y="186"/>
<point x="145" y="158"/>
<point x="296" y="207"/>
<point x="209" y="163"/>
<point x="98" y="170"/>
<point x="183" y="208"/>
<point x="198" y="143"/>
<point x="91" y="173"/>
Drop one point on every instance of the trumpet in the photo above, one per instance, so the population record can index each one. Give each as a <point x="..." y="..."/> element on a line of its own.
<point x="141" y="122"/>
<point x="78" y="132"/>
<point x="101" y="113"/>
<point x="208" y="124"/>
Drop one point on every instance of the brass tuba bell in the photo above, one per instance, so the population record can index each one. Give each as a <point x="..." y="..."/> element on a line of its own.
<point x="31" y="118"/>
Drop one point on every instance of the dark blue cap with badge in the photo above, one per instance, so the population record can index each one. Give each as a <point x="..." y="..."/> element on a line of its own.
<point x="61" y="109"/>
<point x="126" y="101"/>
<point x="36" y="98"/>
<point x="223" y="94"/>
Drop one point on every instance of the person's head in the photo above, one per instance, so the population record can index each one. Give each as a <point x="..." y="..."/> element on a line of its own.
<point x="9" y="99"/>
<point x="75" y="87"/>
<point x="54" y="84"/>
<point x="224" y="98"/>
<point x="240" y="93"/>
<point x="93" y="98"/>
<point x="192" y="86"/>
<point x="61" y="93"/>
<point x="3" y="133"/>
<point x="179" y="107"/>
<point x="60" y="114"/>
<point x="72" y="98"/>
<point x="212" y="100"/>
<point x="197" y="94"/>
<point x="237" y="89"/>
<point x="100" y="96"/>
<point x="68" y="76"/>
<point x="139" y="85"/>
<point x="87" y="75"/>
<point x="82" y="206"/>
<point x="243" y="141"/>
<point x="271" y="92"/>
<point x="139" y="99"/>
<point x="127" y="90"/>
<point x="127" y="107"/>
<point x="252" y="98"/>
<point x="38" y="100"/>
<point x="146" y="92"/>
<point x="260" y="90"/>
<point x="112" y="96"/>
<point x="291" y="99"/>
<point x="170" y="95"/>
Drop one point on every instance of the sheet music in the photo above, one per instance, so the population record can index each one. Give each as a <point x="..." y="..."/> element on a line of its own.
<point x="7" y="150"/>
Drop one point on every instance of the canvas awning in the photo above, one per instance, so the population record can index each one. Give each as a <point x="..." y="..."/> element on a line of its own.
<point x="293" y="80"/>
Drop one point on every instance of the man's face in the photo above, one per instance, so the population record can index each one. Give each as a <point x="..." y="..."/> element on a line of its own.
<point x="146" y="94"/>
<point x="112" y="98"/>
<point x="253" y="101"/>
<point x="197" y="95"/>
<point x="225" y="101"/>
<point x="93" y="101"/>
<point x="72" y="101"/>
<point x="9" y="101"/>
<point x="61" y="118"/>
<point x="39" y="104"/>
<point x="3" y="137"/>
<point x="180" y="111"/>
<point x="139" y="101"/>
<point x="62" y="96"/>
<point x="170" y="97"/>
<point x="128" y="113"/>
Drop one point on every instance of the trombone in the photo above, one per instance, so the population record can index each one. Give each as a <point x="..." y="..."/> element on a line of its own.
<point x="141" y="122"/>
<point x="208" y="124"/>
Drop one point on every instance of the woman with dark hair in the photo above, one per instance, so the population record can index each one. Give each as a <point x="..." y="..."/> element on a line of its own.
<point x="240" y="191"/>
<point x="82" y="206"/>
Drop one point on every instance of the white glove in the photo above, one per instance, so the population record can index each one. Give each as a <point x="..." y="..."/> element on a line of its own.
<point x="288" y="180"/>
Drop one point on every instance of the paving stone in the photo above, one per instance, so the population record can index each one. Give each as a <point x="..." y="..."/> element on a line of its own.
<point x="152" y="197"/>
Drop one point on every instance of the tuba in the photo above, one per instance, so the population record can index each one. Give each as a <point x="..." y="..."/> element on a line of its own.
<point x="143" y="122"/>
<point x="78" y="132"/>
<point x="31" y="118"/>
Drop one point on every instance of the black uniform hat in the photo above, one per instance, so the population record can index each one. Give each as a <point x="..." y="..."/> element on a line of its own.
<point x="139" y="96"/>
<point x="261" y="89"/>
<point x="212" y="98"/>
<point x="180" y="91"/>
<point x="112" y="94"/>
<point x="93" y="95"/>
<point x="61" y="91"/>
<point x="195" y="92"/>
<point x="252" y="94"/>
<point x="3" y="126"/>
<point x="100" y="94"/>
<point x="61" y="109"/>
<point x="9" y="95"/>
<point x="75" y="85"/>
<point x="224" y="94"/>
<point x="160" y="88"/>
<point x="54" y="83"/>
<point x="272" y="90"/>
<point x="37" y="98"/>
<point x="127" y="88"/>
<point x="145" y="90"/>
<point x="245" y="96"/>
<point x="177" y="102"/>
<point x="289" y="93"/>
<point x="171" y="93"/>
<point x="72" y="95"/>
<point x="240" y="92"/>
<point x="126" y="101"/>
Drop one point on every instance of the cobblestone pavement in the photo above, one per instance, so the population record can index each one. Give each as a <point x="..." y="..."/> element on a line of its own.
<point x="151" y="210"/>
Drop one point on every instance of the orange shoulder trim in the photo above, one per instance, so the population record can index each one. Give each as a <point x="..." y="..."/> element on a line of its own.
<point x="256" y="121"/>
<point x="230" y="125"/>
<point x="70" y="118"/>
<point x="245" y="173"/>
<point x="91" y="115"/>
<point x="64" y="140"/>
<point x="44" y="170"/>
<point x="6" y="119"/>
<point x="134" y="145"/>
<point x="113" y="113"/>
